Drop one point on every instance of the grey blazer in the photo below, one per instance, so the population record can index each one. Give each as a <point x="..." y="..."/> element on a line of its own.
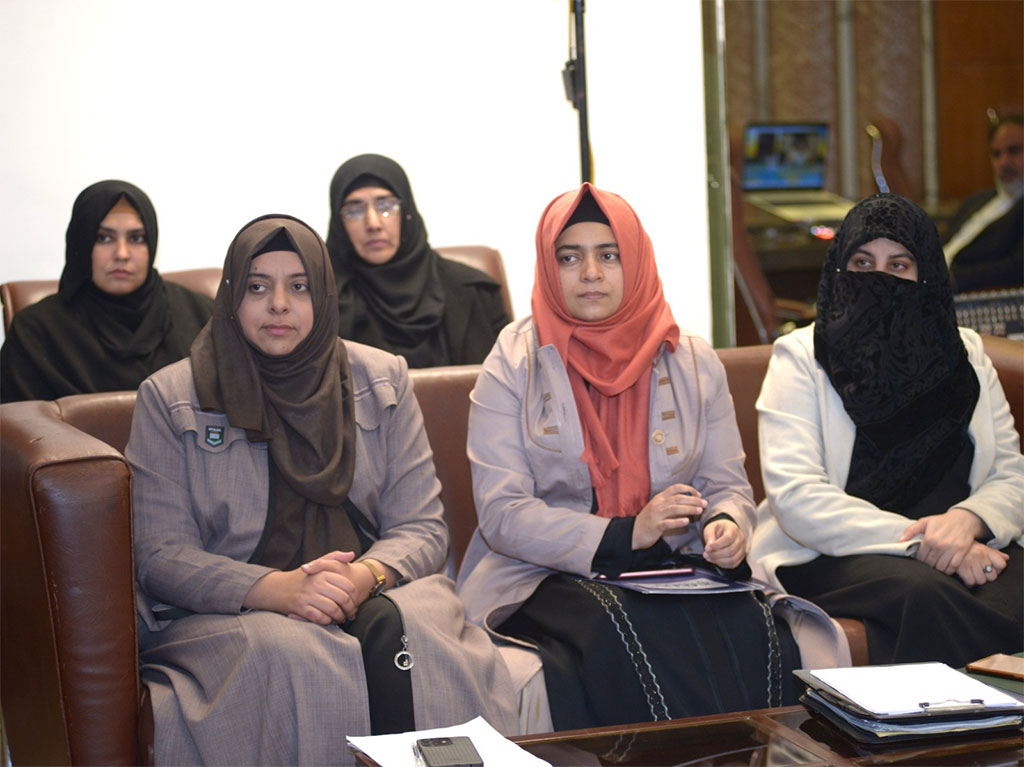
<point x="188" y="459"/>
<point x="200" y="500"/>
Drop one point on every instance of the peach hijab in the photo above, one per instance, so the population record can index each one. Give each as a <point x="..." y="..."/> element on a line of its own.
<point x="609" y="361"/>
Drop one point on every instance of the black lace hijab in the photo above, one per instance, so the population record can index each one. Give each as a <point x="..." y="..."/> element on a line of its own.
<point x="892" y="351"/>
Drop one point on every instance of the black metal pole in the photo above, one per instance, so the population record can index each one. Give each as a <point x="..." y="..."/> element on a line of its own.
<point x="581" y="93"/>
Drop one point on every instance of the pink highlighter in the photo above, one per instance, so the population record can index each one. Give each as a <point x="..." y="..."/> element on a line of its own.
<point x="649" y="573"/>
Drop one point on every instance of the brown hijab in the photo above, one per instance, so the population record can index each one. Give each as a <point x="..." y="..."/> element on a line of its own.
<point x="300" y="403"/>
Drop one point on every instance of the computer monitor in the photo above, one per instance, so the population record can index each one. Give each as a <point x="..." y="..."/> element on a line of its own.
<point x="784" y="156"/>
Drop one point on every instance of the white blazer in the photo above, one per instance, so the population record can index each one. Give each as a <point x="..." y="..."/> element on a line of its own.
<point x="806" y="441"/>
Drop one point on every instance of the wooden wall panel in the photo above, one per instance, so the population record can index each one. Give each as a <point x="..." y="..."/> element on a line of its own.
<point x="979" y="64"/>
<point x="803" y="65"/>
<point x="887" y="46"/>
<point x="740" y="84"/>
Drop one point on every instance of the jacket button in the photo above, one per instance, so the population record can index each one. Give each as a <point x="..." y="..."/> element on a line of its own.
<point x="658" y="436"/>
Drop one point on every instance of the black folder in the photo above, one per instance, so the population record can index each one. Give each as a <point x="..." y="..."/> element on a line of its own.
<point x="982" y="709"/>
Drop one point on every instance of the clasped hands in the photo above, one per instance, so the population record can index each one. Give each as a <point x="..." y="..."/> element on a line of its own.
<point x="949" y="544"/>
<point x="327" y="590"/>
<point x="671" y="511"/>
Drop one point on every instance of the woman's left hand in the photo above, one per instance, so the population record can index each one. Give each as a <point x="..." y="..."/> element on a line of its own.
<point x="724" y="543"/>
<point x="981" y="565"/>
<point x="946" y="538"/>
<point x="342" y="564"/>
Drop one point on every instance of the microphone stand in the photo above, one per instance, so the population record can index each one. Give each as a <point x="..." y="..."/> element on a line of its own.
<point x="575" y="82"/>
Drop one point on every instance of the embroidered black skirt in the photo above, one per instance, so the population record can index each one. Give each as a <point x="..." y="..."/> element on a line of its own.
<point x="614" y="656"/>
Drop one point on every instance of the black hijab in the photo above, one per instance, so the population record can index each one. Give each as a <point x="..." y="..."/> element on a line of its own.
<point x="399" y="305"/>
<point x="126" y="326"/>
<point x="300" y="402"/>
<point x="83" y="340"/>
<point x="892" y="351"/>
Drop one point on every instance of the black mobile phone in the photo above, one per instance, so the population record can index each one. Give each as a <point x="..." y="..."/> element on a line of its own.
<point x="457" y="751"/>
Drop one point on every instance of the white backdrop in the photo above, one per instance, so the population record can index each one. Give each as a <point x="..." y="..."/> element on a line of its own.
<point x="223" y="110"/>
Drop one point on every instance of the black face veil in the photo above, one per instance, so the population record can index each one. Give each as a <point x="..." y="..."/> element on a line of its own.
<point x="893" y="353"/>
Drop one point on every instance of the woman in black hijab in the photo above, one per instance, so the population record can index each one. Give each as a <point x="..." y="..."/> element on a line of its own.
<point x="113" y="320"/>
<point x="892" y="469"/>
<point x="394" y="291"/>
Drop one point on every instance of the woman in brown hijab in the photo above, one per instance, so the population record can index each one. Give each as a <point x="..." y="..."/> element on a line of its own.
<point x="289" y="533"/>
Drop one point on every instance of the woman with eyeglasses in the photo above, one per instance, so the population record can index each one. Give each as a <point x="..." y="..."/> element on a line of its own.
<point x="394" y="291"/>
<point x="114" y="320"/>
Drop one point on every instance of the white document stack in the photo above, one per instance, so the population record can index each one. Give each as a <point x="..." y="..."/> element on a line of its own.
<point x="910" y="700"/>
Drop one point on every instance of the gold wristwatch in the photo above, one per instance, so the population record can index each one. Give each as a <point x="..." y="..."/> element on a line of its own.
<point x="378" y="574"/>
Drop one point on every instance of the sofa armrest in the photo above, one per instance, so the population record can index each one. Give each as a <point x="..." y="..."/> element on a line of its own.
<point x="1007" y="357"/>
<point x="443" y="396"/>
<point x="745" y="368"/>
<point x="70" y="688"/>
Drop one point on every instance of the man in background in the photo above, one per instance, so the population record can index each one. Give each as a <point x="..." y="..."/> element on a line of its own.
<point x="984" y="246"/>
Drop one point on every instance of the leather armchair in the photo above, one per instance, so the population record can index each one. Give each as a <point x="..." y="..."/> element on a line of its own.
<point x="18" y="294"/>
<point x="70" y="688"/>
<point x="486" y="260"/>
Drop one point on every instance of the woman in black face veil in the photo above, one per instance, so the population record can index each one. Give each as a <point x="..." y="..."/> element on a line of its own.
<point x="892" y="469"/>
<point x="394" y="291"/>
<point x="113" y="320"/>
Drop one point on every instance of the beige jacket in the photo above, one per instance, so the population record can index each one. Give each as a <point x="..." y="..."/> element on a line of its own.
<point x="533" y="493"/>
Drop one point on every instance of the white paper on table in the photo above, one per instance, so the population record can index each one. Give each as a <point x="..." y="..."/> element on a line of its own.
<point x="494" y="748"/>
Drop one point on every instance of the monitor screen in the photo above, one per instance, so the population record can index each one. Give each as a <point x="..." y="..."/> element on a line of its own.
<point x="784" y="156"/>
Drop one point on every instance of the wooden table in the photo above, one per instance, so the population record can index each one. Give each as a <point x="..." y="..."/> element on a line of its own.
<point x="775" y="737"/>
<point x="778" y="737"/>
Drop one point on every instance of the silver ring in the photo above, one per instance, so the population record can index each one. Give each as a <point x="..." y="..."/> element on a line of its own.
<point x="987" y="568"/>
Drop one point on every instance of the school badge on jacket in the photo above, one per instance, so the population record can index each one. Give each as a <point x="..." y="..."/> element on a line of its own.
<point x="214" y="436"/>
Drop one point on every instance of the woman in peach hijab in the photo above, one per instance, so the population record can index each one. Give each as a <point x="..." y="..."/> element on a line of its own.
<point x="603" y="439"/>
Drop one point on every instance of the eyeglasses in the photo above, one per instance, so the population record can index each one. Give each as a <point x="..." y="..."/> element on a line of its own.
<point x="385" y="206"/>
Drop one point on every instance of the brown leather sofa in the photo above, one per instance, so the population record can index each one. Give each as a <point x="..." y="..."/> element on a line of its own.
<point x="70" y="689"/>
<point x="18" y="294"/>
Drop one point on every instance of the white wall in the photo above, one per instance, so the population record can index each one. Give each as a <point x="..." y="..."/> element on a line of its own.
<point x="224" y="110"/>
